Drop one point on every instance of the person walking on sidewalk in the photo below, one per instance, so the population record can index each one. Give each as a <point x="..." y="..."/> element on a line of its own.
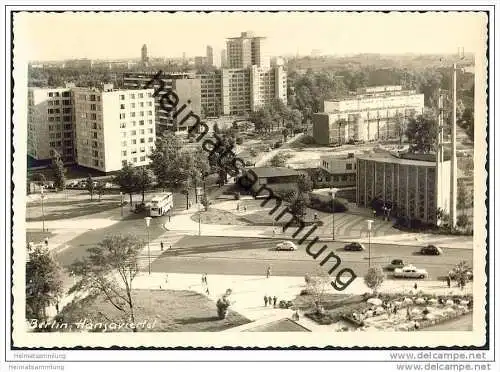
<point x="265" y="301"/>
<point x="275" y="299"/>
<point x="206" y="281"/>
<point x="448" y="281"/>
<point x="415" y="286"/>
<point x="202" y="279"/>
<point x="268" y="271"/>
<point x="161" y="245"/>
<point x="46" y="242"/>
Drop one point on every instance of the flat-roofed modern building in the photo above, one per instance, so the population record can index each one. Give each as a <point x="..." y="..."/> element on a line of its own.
<point x="371" y="114"/>
<point x="413" y="186"/>
<point x="50" y="124"/>
<point x="113" y="127"/>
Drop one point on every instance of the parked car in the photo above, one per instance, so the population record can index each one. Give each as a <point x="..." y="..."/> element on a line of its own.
<point x="354" y="247"/>
<point x="431" y="250"/>
<point x="72" y="184"/>
<point x="286" y="246"/>
<point x="410" y="271"/>
<point x="452" y="274"/>
<point x="395" y="264"/>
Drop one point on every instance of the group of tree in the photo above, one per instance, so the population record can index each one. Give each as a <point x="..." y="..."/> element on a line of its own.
<point x="134" y="180"/>
<point x="179" y="169"/>
<point x="277" y="117"/>
<point x="463" y="203"/>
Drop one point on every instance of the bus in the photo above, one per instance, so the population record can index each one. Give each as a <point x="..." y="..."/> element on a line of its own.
<point x="160" y="205"/>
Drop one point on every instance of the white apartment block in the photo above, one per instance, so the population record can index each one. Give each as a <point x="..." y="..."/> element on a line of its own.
<point x="50" y="124"/>
<point x="369" y="115"/>
<point x="247" y="50"/>
<point x="113" y="127"/>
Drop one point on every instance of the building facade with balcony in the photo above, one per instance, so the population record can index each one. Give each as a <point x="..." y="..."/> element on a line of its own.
<point x="50" y="124"/>
<point x="113" y="127"/>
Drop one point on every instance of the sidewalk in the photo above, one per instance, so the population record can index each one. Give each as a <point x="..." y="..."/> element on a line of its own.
<point x="248" y="292"/>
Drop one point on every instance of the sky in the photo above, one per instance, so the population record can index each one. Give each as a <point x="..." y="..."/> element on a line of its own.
<point x="59" y="36"/>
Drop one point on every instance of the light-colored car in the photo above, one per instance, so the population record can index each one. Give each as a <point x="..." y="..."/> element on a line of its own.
<point x="286" y="246"/>
<point x="410" y="271"/>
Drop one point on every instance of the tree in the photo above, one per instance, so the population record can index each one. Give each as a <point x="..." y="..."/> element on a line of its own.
<point x="126" y="178"/>
<point x="285" y="132"/>
<point x="462" y="197"/>
<point x="44" y="284"/>
<point x="462" y="274"/>
<point x="296" y="119"/>
<point x="166" y="162"/>
<point x="59" y="173"/>
<point x="400" y="124"/>
<point x="100" y="189"/>
<point x="463" y="221"/>
<point x="317" y="285"/>
<point x="278" y="160"/>
<point x="144" y="179"/>
<point x="298" y="207"/>
<point x="374" y="278"/>
<point x="90" y="186"/>
<point x="422" y="132"/>
<point x="109" y="270"/>
<point x="304" y="184"/>
<point x="205" y="202"/>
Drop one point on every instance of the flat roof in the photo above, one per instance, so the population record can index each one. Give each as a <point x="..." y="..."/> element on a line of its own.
<point x="392" y="159"/>
<point x="274" y="171"/>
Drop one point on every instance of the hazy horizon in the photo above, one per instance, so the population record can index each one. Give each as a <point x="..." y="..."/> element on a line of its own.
<point x="105" y="36"/>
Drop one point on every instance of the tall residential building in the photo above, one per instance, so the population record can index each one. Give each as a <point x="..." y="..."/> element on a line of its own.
<point x="413" y="187"/>
<point x="210" y="55"/>
<point x="50" y="124"/>
<point x="372" y="113"/>
<point x="144" y="55"/>
<point x="113" y="127"/>
<point x="239" y="91"/>
<point x="186" y="86"/>
<point x="247" y="50"/>
<point x="223" y="58"/>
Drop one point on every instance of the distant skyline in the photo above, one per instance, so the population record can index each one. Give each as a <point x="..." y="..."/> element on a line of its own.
<point x="61" y="36"/>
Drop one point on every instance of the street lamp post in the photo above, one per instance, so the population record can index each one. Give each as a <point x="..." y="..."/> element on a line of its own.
<point x="121" y="203"/>
<point x="370" y="222"/>
<point x="148" y="221"/>
<point x="42" y="196"/>
<point x="333" y="191"/>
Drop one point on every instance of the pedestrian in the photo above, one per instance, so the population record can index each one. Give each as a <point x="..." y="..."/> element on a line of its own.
<point x="297" y="317"/>
<point x="57" y="307"/>
<point x="270" y="300"/>
<point x="274" y="233"/>
<point x="265" y="301"/>
<point x="169" y="217"/>
<point x="202" y="278"/>
<point x="268" y="272"/>
<point x="161" y="245"/>
<point x="166" y="278"/>
<point x="207" y="292"/>
<point x="315" y="216"/>
<point x="415" y="286"/>
<point x="245" y="208"/>
<point x="206" y="281"/>
<point x="275" y="299"/>
<point x="47" y="242"/>
<point x="238" y="207"/>
<point x="448" y="280"/>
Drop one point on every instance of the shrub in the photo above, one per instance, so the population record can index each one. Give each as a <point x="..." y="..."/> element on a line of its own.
<point x="237" y="196"/>
<point x="323" y="205"/>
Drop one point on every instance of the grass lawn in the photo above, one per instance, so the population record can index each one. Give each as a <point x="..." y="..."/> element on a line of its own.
<point x="217" y="217"/>
<point x="63" y="210"/>
<point x="174" y="311"/>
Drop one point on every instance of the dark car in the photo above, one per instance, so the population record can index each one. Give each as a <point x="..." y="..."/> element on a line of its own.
<point x="395" y="264"/>
<point x="354" y="247"/>
<point x="431" y="250"/>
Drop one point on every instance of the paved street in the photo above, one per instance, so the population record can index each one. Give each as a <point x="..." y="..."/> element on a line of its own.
<point x="251" y="256"/>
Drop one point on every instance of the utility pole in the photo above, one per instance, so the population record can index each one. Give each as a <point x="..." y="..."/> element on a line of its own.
<point x="453" y="174"/>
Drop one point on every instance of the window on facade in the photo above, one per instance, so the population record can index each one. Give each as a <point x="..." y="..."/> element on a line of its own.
<point x="150" y="139"/>
<point x="51" y="94"/>
<point x="141" y="104"/>
<point x="124" y="143"/>
<point x="143" y="158"/>
<point x="140" y="95"/>
<point x="134" y="151"/>
<point x="133" y="132"/>
<point x="132" y="105"/>
<point x="150" y="112"/>
<point x="122" y="97"/>
<point x="141" y="122"/>
<point x="348" y="166"/>
<point x="143" y="149"/>
<point x="93" y="107"/>
<point x="122" y="107"/>
<point x="122" y="116"/>
<point x="124" y="134"/>
<point x="141" y="113"/>
<point x="150" y="94"/>
<point x="150" y="130"/>
<point x="132" y="114"/>
<point x="124" y="163"/>
<point x="132" y="96"/>
<point x="142" y="140"/>
<point x="123" y="125"/>
<point x="133" y="142"/>
<point x="134" y="160"/>
<point x="52" y="144"/>
<point x="92" y="97"/>
<point x="150" y="103"/>
<point x="96" y="163"/>
<point x="124" y="153"/>
<point x="67" y="126"/>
